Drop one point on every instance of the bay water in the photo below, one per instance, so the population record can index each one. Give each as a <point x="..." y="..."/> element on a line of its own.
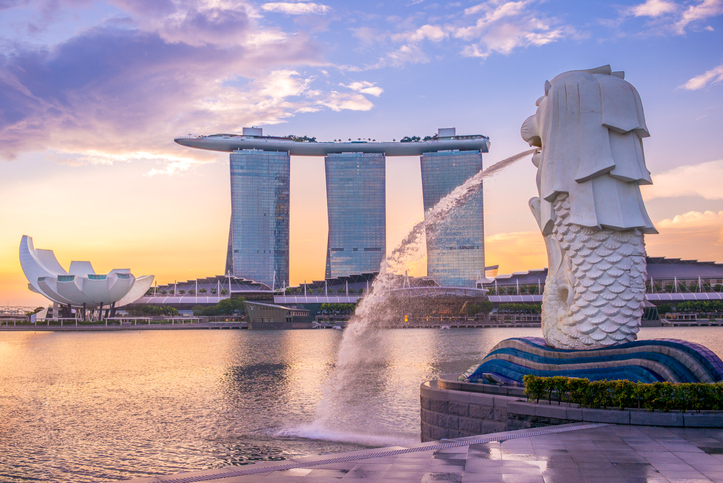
<point x="107" y="406"/>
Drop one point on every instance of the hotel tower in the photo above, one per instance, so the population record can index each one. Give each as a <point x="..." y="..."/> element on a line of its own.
<point x="258" y="244"/>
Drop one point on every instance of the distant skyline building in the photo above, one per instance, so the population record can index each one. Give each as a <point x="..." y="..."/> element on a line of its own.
<point x="259" y="235"/>
<point x="455" y="250"/>
<point x="356" y="204"/>
<point x="258" y="246"/>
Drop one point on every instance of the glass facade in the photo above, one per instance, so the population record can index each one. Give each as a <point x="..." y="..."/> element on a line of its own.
<point x="228" y="269"/>
<point x="259" y="235"/>
<point x="356" y="203"/>
<point x="455" y="252"/>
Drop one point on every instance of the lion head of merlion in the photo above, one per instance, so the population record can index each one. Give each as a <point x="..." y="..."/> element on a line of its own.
<point x="589" y="127"/>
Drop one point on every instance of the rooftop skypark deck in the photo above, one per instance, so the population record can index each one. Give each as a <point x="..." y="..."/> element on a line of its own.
<point x="253" y="138"/>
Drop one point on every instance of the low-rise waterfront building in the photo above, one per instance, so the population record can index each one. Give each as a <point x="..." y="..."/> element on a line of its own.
<point x="261" y="316"/>
<point x="668" y="280"/>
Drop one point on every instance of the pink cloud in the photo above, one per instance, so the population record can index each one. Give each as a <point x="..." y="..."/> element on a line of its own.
<point x="693" y="235"/>
<point x="121" y="89"/>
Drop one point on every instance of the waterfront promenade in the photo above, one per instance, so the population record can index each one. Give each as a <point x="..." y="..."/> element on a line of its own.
<point x="179" y="323"/>
<point x="589" y="453"/>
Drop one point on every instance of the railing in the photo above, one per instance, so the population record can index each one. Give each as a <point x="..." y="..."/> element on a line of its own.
<point x="651" y="286"/>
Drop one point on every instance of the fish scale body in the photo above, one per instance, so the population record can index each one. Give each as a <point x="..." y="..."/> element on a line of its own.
<point x="605" y="270"/>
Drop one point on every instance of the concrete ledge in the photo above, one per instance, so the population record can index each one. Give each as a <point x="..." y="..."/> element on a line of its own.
<point x="449" y="381"/>
<point x="545" y="411"/>
<point x="614" y="416"/>
<point x="521" y="408"/>
<point x="703" y="420"/>
<point x="646" y="418"/>
<point x="449" y="413"/>
<point x="573" y="414"/>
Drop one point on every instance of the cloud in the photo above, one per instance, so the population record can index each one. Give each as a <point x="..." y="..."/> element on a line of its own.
<point x="143" y="8"/>
<point x="336" y="101"/>
<point x="409" y="52"/>
<point x="296" y="8"/>
<point x="495" y="26"/>
<point x="124" y="90"/>
<point x="173" y="167"/>
<point x="406" y="54"/>
<point x="693" y="219"/>
<point x="434" y="33"/>
<point x="367" y="35"/>
<point x="118" y="90"/>
<point x="505" y="26"/>
<point x="365" y="87"/>
<point x="703" y="10"/>
<point x="712" y="76"/>
<point x="110" y="93"/>
<point x="99" y="157"/>
<point x="491" y="15"/>
<point x="171" y="163"/>
<point x="696" y="180"/>
<point x="693" y="235"/>
<point x="282" y="84"/>
<point x="215" y="26"/>
<point x="283" y="93"/>
<point x="652" y="8"/>
<point x="670" y="17"/>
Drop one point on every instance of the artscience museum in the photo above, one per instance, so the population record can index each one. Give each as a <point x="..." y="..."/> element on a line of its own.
<point x="79" y="287"/>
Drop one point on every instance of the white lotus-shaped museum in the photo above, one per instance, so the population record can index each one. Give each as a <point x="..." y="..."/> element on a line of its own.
<point x="79" y="285"/>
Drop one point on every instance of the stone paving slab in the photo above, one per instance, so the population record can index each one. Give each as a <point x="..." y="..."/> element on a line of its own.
<point x="570" y="453"/>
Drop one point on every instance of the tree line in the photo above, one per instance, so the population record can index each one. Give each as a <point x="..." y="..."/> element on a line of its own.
<point x="416" y="139"/>
<point x="704" y="306"/>
<point x="342" y="309"/>
<point x="152" y="311"/>
<point x="229" y="306"/>
<point x="301" y="139"/>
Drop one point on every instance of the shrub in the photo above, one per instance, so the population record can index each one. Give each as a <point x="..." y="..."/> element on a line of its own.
<point x="514" y="308"/>
<point x="661" y="396"/>
<point x="152" y="310"/>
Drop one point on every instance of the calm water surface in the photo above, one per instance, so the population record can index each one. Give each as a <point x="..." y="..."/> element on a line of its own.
<point x="109" y="406"/>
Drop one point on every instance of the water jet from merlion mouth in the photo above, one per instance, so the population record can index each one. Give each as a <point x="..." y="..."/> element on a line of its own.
<point x="360" y="352"/>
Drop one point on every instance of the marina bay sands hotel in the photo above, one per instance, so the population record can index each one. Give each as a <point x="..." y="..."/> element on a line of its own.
<point x="258" y="247"/>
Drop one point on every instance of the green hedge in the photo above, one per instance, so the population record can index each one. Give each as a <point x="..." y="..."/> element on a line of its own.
<point x="662" y="396"/>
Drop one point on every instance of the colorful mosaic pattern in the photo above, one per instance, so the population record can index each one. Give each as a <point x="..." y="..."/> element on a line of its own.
<point x="639" y="361"/>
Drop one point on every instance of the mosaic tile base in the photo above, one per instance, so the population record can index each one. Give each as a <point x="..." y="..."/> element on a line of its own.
<point x="640" y="361"/>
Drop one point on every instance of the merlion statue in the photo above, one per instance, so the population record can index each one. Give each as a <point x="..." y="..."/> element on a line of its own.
<point x="589" y="127"/>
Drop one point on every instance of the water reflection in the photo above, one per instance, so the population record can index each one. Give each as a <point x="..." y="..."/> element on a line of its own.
<point x="106" y="406"/>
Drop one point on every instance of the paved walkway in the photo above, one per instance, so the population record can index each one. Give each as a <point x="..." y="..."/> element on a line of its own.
<point x="573" y="453"/>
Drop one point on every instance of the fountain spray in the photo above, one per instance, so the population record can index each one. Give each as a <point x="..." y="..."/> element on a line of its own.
<point x="359" y="351"/>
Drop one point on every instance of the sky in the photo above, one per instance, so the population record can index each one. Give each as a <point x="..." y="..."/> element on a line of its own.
<point x="92" y="94"/>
